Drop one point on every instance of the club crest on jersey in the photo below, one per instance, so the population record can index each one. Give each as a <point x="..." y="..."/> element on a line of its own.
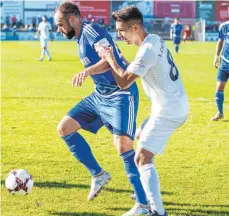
<point x="140" y="63"/>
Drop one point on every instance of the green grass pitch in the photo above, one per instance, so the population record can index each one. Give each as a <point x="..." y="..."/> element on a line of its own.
<point x="194" y="169"/>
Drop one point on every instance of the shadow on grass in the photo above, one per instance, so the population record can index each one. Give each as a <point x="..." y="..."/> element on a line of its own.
<point x="48" y="184"/>
<point x="188" y="209"/>
<point x="84" y="186"/>
<point x="195" y="209"/>
<point x="78" y="214"/>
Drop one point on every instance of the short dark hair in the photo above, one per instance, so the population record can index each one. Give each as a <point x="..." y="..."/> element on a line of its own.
<point x="68" y="8"/>
<point x="128" y="13"/>
<point x="45" y="17"/>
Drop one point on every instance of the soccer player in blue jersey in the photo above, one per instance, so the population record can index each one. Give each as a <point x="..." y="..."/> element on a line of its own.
<point x="223" y="71"/>
<point x="108" y="105"/>
<point x="175" y="34"/>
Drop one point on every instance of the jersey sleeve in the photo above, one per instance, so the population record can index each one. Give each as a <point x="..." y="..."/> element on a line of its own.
<point x="96" y="34"/>
<point x="145" y="59"/>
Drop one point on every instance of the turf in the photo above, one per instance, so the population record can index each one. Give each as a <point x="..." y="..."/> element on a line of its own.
<point x="194" y="170"/>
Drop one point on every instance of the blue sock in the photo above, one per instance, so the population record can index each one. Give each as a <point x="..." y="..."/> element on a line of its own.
<point x="219" y="98"/>
<point x="176" y="48"/>
<point x="82" y="152"/>
<point x="134" y="176"/>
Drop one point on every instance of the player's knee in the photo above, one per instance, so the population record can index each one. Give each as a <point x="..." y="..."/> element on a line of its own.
<point x="62" y="129"/>
<point x="123" y="143"/>
<point x="123" y="148"/>
<point x="143" y="157"/>
<point x="139" y="159"/>
<point x="67" y="126"/>
<point x="136" y="160"/>
<point x="220" y="86"/>
<point x="137" y="134"/>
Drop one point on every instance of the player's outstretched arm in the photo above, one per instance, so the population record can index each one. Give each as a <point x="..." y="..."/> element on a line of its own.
<point x="219" y="47"/>
<point x="100" y="67"/>
<point x="123" y="78"/>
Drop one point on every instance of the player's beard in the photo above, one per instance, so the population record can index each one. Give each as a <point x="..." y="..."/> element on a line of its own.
<point x="70" y="33"/>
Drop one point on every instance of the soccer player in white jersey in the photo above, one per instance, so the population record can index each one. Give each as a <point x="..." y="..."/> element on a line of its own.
<point x="223" y="71"/>
<point x="44" y="29"/>
<point x="162" y="84"/>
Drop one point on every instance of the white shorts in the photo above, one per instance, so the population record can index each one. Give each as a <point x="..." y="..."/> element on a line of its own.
<point x="156" y="132"/>
<point x="44" y="43"/>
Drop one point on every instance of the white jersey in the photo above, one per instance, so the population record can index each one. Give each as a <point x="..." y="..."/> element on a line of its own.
<point x="160" y="78"/>
<point x="44" y="28"/>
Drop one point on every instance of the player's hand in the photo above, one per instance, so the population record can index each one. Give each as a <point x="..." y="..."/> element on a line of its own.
<point x="79" y="78"/>
<point x="36" y="36"/>
<point x="107" y="54"/>
<point x="100" y="49"/>
<point x="216" y="62"/>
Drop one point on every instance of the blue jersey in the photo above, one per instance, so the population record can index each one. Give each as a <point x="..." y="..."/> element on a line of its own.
<point x="224" y="35"/>
<point x="176" y="29"/>
<point x="90" y="34"/>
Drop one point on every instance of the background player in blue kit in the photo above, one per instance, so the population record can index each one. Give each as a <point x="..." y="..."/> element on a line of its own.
<point x="223" y="71"/>
<point x="175" y="34"/>
<point x="108" y="105"/>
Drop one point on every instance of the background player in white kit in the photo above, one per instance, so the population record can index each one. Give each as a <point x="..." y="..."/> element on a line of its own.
<point x="162" y="84"/>
<point x="44" y="29"/>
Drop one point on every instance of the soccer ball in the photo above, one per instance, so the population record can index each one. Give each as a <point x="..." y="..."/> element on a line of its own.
<point x="19" y="182"/>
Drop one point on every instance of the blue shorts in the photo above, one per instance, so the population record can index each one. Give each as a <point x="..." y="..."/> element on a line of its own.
<point x="176" y="40"/>
<point x="117" y="112"/>
<point x="223" y="72"/>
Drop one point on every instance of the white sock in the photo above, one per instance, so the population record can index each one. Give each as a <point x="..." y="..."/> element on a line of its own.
<point x="48" y="54"/>
<point x="151" y="185"/>
<point x="42" y="53"/>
